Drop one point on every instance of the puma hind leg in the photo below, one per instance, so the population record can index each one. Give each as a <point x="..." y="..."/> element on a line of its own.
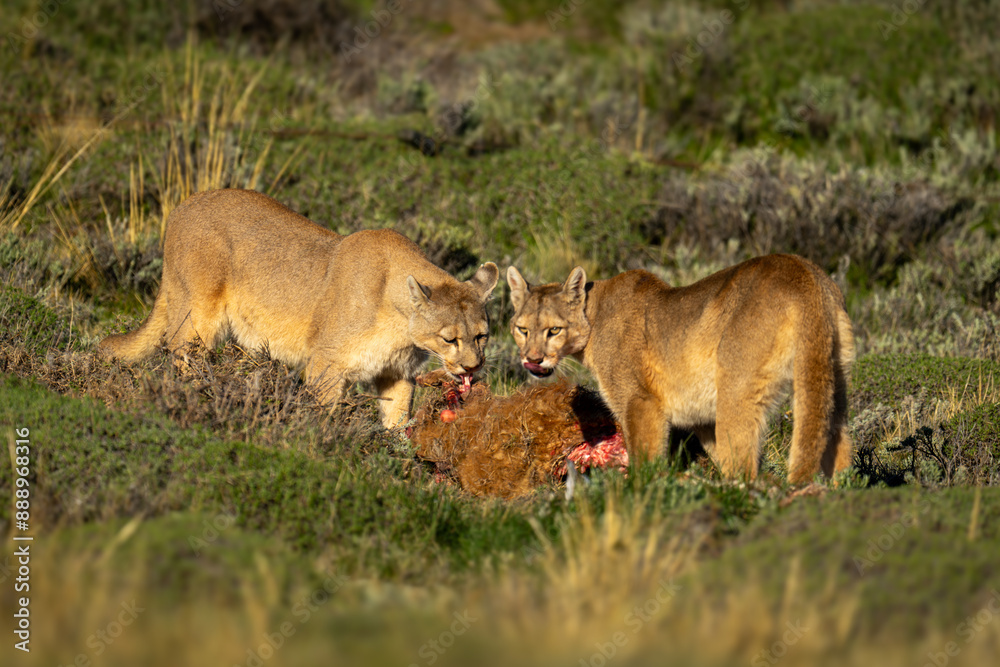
<point x="738" y="428"/>
<point x="191" y="324"/>
<point x="329" y="381"/>
<point x="747" y="389"/>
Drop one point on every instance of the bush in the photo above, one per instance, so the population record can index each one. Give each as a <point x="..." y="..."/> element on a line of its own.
<point x="889" y="378"/>
<point x="30" y="326"/>
<point x="962" y="450"/>
<point x="779" y="203"/>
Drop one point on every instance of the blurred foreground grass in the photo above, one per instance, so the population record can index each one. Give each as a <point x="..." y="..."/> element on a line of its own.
<point x="245" y="552"/>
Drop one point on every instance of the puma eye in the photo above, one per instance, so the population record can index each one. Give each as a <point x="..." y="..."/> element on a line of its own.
<point x="481" y="338"/>
<point x="522" y="331"/>
<point x="450" y="341"/>
<point x="554" y="331"/>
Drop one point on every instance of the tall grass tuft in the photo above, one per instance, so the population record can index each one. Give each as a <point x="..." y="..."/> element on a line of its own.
<point x="13" y="214"/>
<point x="214" y="139"/>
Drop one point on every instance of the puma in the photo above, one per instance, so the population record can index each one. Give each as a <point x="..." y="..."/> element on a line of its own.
<point x="712" y="358"/>
<point x="366" y="307"/>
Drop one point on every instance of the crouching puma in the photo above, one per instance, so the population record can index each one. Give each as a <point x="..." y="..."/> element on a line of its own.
<point x="367" y="307"/>
<point x="713" y="357"/>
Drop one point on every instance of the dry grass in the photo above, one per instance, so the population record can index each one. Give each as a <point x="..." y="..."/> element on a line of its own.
<point x="243" y="394"/>
<point x="214" y="143"/>
<point x="554" y="253"/>
<point x="917" y="412"/>
<point x="72" y="131"/>
<point x="604" y="575"/>
<point x="80" y="590"/>
<point x="922" y="411"/>
<point x="766" y="201"/>
<point x="584" y="600"/>
<point x="602" y="565"/>
<point x="12" y="214"/>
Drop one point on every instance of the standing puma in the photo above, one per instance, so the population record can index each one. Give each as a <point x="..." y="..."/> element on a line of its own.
<point x="713" y="357"/>
<point x="367" y="307"/>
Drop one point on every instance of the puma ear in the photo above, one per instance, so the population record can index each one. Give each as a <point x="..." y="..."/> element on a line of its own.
<point x="575" y="287"/>
<point x="485" y="279"/>
<point x="518" y="287"/>
<point x="420" y="295"/>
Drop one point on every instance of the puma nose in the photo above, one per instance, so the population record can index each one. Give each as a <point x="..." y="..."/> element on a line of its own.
<point x="534" y="359"/>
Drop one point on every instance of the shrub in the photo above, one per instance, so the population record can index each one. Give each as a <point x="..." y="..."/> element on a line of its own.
<point x="779" y="203"/>
<point x="889" y="378"/>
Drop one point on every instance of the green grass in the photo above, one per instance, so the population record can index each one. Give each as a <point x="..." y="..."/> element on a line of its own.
<point x="842" y="42"/>
<point x="35" y="327"/>
<point x="890" y="378"/>
<point x="385" y="514"/>
<point x="911" y="556"/>
<point x="379" y="513"/>
<point x="213" y="521"/>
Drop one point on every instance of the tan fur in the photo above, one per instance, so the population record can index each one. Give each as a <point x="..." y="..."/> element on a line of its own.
<point x="713" y="357"/>
<point x="367" y="307"/>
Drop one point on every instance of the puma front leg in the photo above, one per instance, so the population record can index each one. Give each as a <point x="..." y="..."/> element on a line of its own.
<point x="395" y="395"/>
<point x="644" y="428"/>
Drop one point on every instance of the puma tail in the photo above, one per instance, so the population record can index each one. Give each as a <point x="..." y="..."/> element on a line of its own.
<point x="822" y="366"/>
<point x="139" y="344"/>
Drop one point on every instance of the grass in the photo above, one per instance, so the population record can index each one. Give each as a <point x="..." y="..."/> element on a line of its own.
<point x="119" y="465"/>
<point x="867" y="554"/>
<point x="238" y="514"/>
<point x="891" y="378"/>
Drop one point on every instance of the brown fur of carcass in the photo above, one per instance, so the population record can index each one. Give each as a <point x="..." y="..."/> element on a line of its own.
<point x="508" y="446"/>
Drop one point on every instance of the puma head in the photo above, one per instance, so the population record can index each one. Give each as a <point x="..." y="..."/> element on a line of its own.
<point x="549" y="321"/>
<point x="450" y="321"/>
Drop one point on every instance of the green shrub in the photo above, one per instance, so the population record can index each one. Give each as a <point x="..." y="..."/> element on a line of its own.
<point x="965" y="449"/>
<point x="766" y="201"/>
<point x="889" y="378"/>
<point x="31" y="326"/>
